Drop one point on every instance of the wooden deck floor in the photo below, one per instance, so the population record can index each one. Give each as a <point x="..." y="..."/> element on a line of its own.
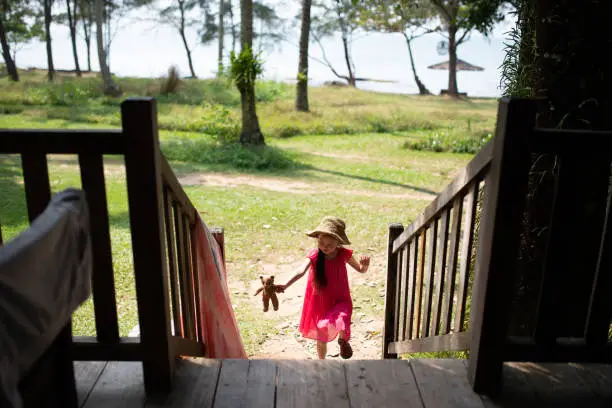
<point x="206" y="383"/>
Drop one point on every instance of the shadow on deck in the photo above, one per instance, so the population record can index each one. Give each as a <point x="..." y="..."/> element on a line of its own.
<point x="355" y="383"/>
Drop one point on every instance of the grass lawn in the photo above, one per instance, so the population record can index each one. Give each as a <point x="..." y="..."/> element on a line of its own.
<point x="350" y="157"/>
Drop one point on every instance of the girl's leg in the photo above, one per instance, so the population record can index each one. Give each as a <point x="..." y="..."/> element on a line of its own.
<point x="321" y="349"/>
<point x="342" y="334"/>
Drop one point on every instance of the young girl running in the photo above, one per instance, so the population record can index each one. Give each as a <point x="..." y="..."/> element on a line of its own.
<point x="327" y="302"/>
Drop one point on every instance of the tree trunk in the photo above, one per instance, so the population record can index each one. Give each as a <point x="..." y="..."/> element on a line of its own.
<point x="301" y="98"/>
<point x="110" y="88"/>
<point x="188" y="51"/>
<point x="422" y="88"/>
<point x="184" y="38"/>
<point x="452" y="60"/>
<point x="251" y="134"/>
<point x="72" y="25"/>
<point x="6" y="54"/>
<point x="221" y="37"/>
<point x="347" y="57"/>
<point x="86" y="19"/>
<point x="234" y="34"/>
<point x="572" y="75"/>
<point x="47" y="11"/>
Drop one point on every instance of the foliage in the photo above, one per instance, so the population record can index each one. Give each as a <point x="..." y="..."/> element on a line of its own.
<point x="269" y="26"/>
<point x="22" y="23"/>
<point x="396" y="16"/>
<point x="518" y="67"/>
<point x="245" y="68"/>
<point x="445" y="141"/>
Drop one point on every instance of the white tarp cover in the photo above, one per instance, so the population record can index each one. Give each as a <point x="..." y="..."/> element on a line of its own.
<point x="45" y="274"/>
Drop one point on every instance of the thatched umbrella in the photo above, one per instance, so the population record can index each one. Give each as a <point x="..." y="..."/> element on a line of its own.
<point x="461" y="66"/>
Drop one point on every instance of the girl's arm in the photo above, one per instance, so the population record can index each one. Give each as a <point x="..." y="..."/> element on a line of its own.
<point x="301" y="271"/>
<point x="361" y="266"/>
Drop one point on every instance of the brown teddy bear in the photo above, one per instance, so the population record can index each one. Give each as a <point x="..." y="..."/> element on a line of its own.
<point x="269" y="292"/>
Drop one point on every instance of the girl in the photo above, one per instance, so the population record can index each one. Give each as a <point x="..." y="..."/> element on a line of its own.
<point x="327" y="302"/>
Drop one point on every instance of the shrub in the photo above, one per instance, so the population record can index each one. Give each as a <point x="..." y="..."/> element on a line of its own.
<point x="227" y="155"/>
<point x="441" y="141"/>
<point x="171" y="83"/>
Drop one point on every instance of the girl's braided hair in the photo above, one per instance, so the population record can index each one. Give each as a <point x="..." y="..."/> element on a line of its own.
<point x="320" y="278"/>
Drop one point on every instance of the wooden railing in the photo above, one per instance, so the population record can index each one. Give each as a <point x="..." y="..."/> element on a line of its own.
<point x="161" y="219"/>
<point x="460" y="255"/>
<point x="429" y="266"/>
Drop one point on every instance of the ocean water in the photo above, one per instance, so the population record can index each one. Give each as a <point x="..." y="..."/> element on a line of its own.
<point x="145" y="49"/>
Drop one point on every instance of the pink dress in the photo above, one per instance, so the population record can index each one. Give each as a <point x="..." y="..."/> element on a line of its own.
<point x="328" y="311"/>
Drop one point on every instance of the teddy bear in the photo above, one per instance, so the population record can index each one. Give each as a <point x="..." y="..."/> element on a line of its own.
<point x="269" y="292"/>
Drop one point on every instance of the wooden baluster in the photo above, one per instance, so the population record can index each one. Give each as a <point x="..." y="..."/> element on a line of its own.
<point x="599" y="315"/>
<point x="447" y="308"/>
<point x="104" y="298"/>
<point x="419" y="286"/>
<point x="193" y="278"/>
<point x="412" y="286"/>
<point x="398" y="296"/>
<point x="179" y="330"/>
<point x="429" y="279"/>
<point x="388" y="331"/>
<point x="406" y="287"/>
<point x="440" y="271"/>
<point x="183" y="262"/>
<point x="467" y="245"/>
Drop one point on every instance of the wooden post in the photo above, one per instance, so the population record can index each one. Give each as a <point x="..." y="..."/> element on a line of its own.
<point x="394" y="231"/>
<point x="146" y="206"/>
<point x="219" y="236"/>
<point x="498" y="243"/>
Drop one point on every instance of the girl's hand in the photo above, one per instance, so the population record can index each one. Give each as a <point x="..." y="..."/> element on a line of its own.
<point x="281" y="288"/>
<point x="364" y="262"/>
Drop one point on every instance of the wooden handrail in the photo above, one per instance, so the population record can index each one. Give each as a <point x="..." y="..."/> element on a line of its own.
<point x="474" y="170"/>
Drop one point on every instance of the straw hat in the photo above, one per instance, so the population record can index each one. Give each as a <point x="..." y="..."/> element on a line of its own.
<point x="333" y="226"/>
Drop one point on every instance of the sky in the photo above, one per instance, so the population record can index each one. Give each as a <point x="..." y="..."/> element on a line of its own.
<point x="145" y="49"/>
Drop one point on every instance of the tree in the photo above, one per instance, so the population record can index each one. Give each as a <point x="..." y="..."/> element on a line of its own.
<point x="244" y="70"/>
<point x="221" y="34"/>
<point x="268" y="26"/>
<point x="85" y="15"/>
<point x="71" y="18"/>
<point x="110" y="88"/>
<point x="19" y="24"/>
<point x="335" y="16"/>
<point x="47" y="5"/>
<point x="301" y="96"/>
<point x="560" y="55"/>
<point x="406" y="17"/>
<point x="182" y="14"/>
<point x="459" y="19"/>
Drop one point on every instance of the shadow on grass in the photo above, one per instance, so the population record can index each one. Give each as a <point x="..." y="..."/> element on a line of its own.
<point x="235" y="157"/>
<point x="373" y="180"/>
<point x="230" y="156"/>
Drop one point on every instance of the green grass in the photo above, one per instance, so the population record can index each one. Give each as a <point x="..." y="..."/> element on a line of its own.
<point x="349" y="157"/>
